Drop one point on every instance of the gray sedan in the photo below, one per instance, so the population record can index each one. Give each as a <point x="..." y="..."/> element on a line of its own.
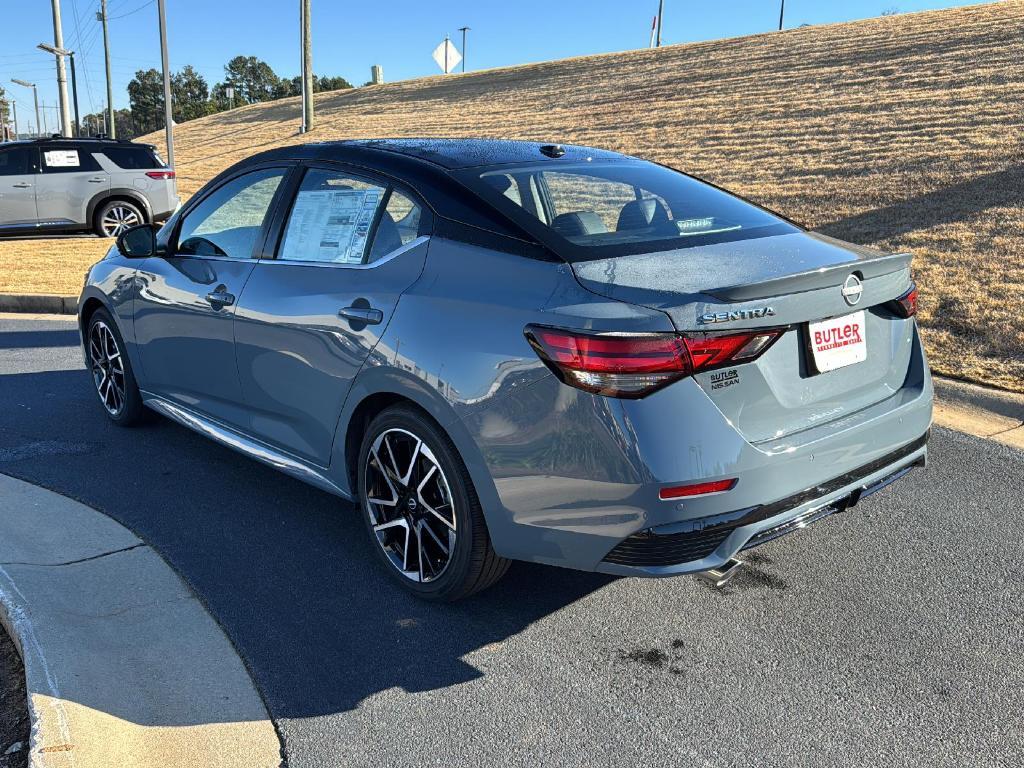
<point x="511" y="350"/>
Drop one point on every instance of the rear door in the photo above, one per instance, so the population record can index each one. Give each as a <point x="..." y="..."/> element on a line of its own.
<point x="18" y="174"/>
<point x="186" y="300"/>
<point x="70" y="177"/>
<point x="350" y="244"/>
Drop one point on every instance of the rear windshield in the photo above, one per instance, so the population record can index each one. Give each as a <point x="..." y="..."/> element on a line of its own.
<point x="601" y="209"/>
<point x="134" y="158"/>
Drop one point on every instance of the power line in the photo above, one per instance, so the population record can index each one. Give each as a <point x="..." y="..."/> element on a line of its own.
<point x="129" y="13"/>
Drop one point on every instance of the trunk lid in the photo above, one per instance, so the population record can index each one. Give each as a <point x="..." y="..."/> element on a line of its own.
<point x="789" y="280"/>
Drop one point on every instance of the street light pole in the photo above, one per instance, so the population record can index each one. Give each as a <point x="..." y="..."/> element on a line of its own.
<point x="74" y="95"/>
<point x="782" y="13"/>
<point x="168" y="109"/>
<point x="62" y="79"/>
<point x="60" y="53"/>
<point x="464" y="30"/>
<point x="661" y="12"/>
<point x="35" y="98"/>
<point x="14" y="109"/>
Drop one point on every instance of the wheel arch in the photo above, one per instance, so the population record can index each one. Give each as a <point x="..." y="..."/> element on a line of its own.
<point x="381" y="387"/>
<point x="123" y="194"/>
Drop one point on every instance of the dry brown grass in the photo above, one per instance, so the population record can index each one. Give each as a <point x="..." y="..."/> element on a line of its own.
<point x="903" y="132"/>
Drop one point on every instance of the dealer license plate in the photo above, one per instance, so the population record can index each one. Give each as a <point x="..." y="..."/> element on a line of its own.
<point x="838" y="342"/>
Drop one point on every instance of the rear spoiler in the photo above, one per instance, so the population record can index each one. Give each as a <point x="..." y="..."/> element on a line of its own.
<point x="814" y="279"/>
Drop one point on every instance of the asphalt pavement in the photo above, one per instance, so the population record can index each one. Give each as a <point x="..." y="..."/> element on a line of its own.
<point x="889" y="635"/>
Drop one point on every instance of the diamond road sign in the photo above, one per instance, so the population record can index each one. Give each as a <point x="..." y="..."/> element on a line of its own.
<point x="447" y="56"/>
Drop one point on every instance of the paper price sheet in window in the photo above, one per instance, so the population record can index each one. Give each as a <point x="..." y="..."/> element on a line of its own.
<point x="331" y="225"/>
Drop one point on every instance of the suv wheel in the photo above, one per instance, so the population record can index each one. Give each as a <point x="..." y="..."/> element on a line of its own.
<point x="421" y="509"/>
<point x="117" y="216"/>
<point x="112" y="371"/>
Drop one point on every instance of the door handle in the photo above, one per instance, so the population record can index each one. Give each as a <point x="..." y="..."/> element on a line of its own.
<point x="220" y="298"/>
<point x="96" y="180"/>
<point x="366" y="315"/>
<point x="21" y="185"/>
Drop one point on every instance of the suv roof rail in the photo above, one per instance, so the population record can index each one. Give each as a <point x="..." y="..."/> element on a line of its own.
<point x="99" y="137"/>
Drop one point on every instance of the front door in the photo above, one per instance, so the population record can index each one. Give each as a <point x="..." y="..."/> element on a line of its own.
<point x="308" y="318"/>
<point x="18" y="173"/>
<point x="186" y="300"/>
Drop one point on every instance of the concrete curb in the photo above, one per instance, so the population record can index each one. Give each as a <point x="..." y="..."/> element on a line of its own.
<point x="980" y="411"/>
<point x="39" y="303"/>
<point x="123" y="665"/>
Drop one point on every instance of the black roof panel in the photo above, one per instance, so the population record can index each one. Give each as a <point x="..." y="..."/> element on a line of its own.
<point x="467" y="153"/>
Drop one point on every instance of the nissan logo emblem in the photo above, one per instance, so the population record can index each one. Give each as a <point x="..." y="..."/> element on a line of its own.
<point x="852" y="290"/>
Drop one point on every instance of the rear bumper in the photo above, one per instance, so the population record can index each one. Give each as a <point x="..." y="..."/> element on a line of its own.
<point x="709" y="542"/>
<point x="566" y="477"/>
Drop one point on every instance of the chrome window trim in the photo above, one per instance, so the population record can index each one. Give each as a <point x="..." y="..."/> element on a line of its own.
<point x="341" y="265"/>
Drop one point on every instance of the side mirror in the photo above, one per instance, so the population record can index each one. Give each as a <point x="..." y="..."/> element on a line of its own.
<point x="138" y="242"/>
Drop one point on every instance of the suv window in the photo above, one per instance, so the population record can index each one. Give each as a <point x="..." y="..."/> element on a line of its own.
<point x="131" y="158"/>
<point x="17" y="161"/>
<point x="228" y="221"/>
<point x="331" y="218"/>
<point x="58" y="159"/>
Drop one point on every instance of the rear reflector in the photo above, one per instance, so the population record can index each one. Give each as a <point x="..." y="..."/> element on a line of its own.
<point x="631" y="366"/>
<point x="164" y="175"/>
<point x="906" y="305"/>
<point x="696" y="489"/>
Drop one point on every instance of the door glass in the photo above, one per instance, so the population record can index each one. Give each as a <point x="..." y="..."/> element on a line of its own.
<point x="228" y="221"/>
<point x="68" y="160"/>
<point x="331" y="219"/>
<point x="16" y="161"/>
<point x="400" y="223"/>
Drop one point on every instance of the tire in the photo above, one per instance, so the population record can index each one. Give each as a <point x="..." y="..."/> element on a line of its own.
<point x="111" y="371"/>
<point x="437" y="500"/>
<point x="115" y="216"/>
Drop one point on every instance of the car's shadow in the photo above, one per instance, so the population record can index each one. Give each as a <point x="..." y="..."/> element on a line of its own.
<point x="286" y="569"/>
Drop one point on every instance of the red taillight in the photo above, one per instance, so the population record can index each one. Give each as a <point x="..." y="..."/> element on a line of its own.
<point x="163" y="175"/>
<point x="906" y="305"/>
<point x="631" y="366"/>
<point x="696" y="489"/>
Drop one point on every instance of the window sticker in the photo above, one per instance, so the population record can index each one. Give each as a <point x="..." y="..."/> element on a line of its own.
<point x="61" y="158"/>
<point x="331" y="225"/>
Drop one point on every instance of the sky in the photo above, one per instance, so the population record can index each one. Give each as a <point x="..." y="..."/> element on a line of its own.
<point x="350" y="36"/>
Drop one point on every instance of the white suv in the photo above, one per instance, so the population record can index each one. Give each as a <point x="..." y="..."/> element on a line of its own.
<point x="70" y="185"/>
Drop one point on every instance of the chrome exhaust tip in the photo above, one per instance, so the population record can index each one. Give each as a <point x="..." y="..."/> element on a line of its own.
<point x="720" y="576"/>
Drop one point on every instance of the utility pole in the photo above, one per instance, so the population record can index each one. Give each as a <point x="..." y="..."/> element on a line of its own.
<point x="661" y="12"/>
<point x="35" y="96"/>
<point x="307" y="66"/>
<point x="782" y="13"/>
<point x="14" y="109"/>
<point x="109" y="115"/>
<point x="464" y="30"/>
<point x="168" y="111"/>
<point x="62" y="78"/>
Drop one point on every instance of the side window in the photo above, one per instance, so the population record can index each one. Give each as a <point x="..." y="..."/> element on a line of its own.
<point x="401" y="223"/>
<point x="228" y="221"/>
<point x="331" y="218"/>
<point x="68" y="160"/>
<point x="133" y="157"/>
<point x="17" y="161"/>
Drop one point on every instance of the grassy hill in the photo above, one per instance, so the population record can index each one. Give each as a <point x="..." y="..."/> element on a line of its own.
<point x="903" y="132"/>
